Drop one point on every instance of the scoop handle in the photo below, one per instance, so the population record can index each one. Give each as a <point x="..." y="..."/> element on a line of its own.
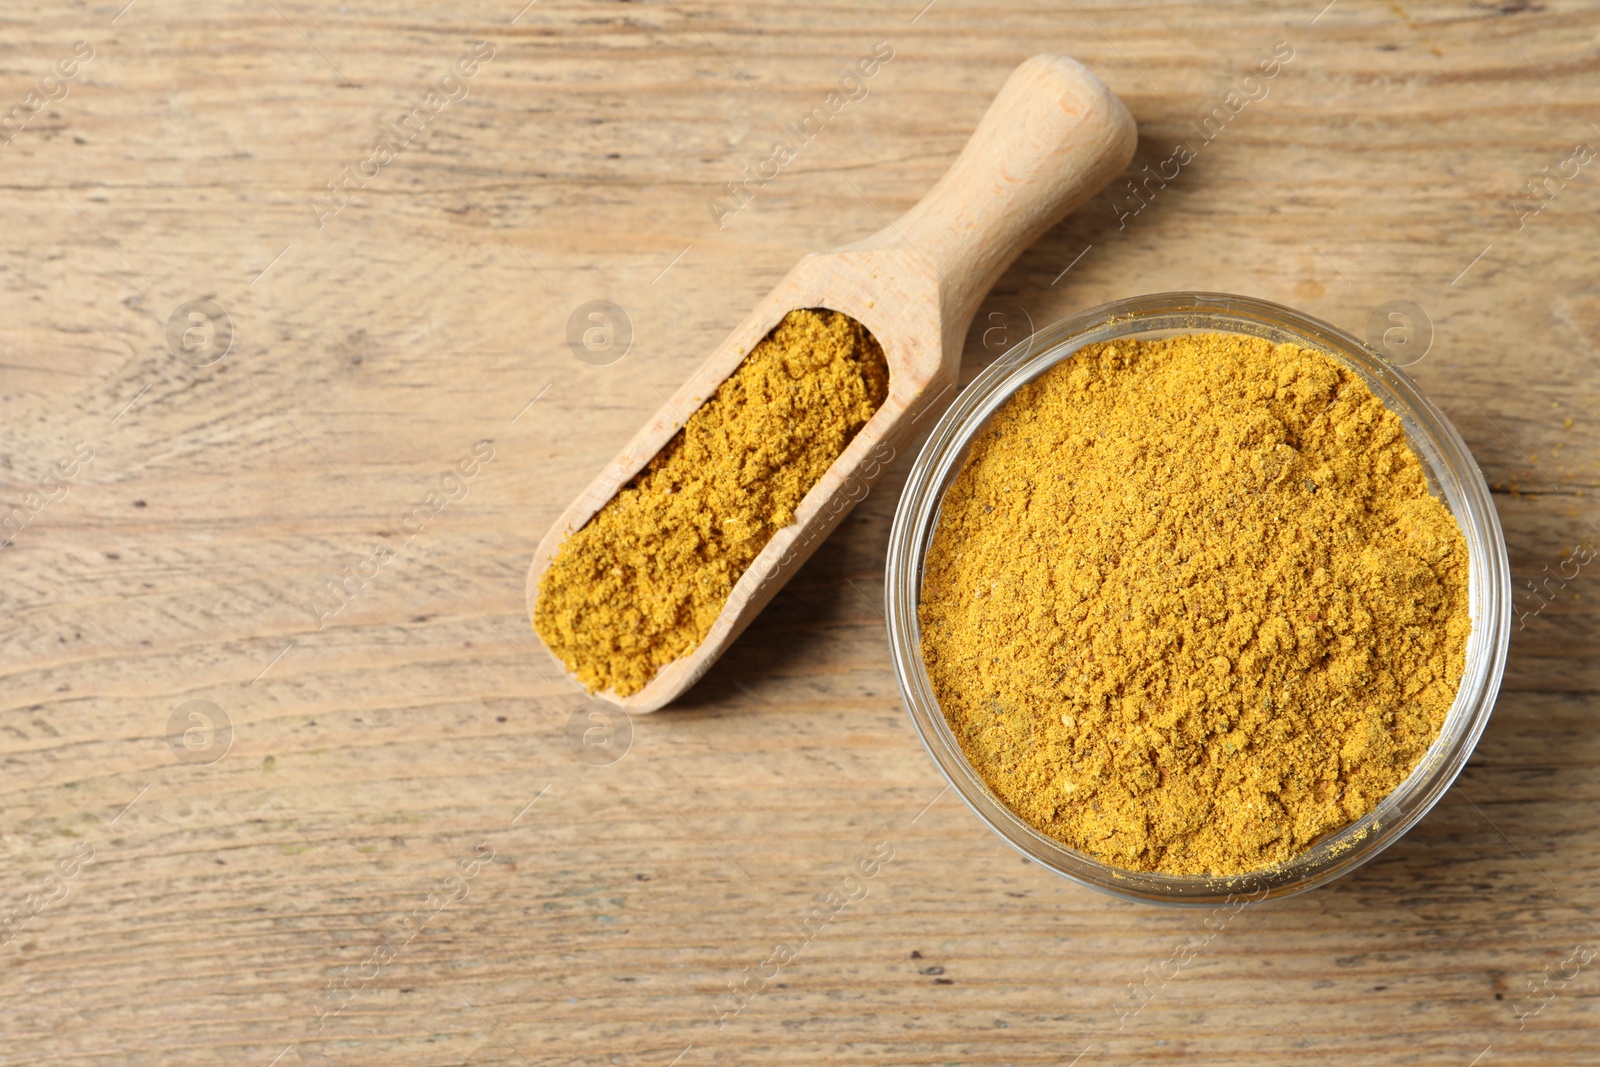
<point x="1051" y="139"/>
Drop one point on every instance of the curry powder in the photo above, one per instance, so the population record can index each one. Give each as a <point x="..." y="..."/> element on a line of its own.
<point x="1190" y="605"/>
<point x="642" y="582"/>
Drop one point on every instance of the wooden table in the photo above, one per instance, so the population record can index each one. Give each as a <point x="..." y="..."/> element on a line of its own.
<point x="378" y="843"/>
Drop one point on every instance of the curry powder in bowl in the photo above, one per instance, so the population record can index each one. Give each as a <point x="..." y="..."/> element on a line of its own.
<point x="1190" y="605"/>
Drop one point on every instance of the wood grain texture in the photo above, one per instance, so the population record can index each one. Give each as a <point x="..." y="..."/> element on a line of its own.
<point x="375" y="749"/>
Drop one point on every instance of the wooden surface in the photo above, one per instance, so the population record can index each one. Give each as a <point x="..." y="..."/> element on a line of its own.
<point x="203" y="909"/>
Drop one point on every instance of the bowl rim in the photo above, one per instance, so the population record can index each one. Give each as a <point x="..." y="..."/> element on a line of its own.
<point x="1453" y="476"/>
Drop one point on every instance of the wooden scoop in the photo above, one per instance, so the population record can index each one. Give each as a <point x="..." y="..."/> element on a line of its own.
<point x="1050" y="140"/>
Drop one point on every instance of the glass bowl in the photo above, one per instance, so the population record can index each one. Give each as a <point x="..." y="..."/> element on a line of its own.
<point x="1452" y="475"/>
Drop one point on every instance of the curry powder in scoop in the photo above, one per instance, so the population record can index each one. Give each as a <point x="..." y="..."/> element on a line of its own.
<point x="642" y="582"/>
<point x="1190" y="605"/>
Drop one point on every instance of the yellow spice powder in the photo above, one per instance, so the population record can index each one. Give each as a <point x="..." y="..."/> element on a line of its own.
<point x="1190" y="605"/>
<point x="641" y="583"/>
